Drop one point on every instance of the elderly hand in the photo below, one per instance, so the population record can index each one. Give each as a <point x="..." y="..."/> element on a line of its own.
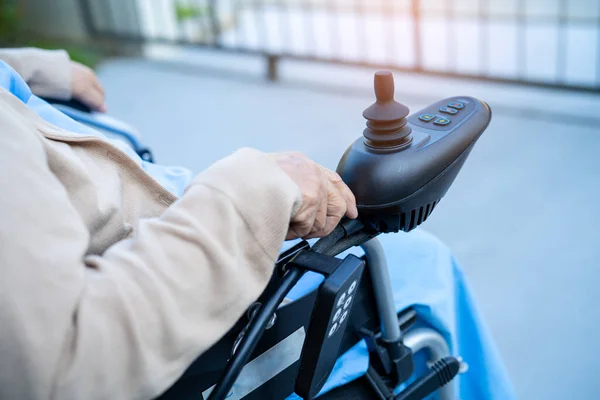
<point x="325" y="197"/>
<point x="86" y="88"/>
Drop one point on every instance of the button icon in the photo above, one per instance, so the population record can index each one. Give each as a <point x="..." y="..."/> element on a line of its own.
<point x="448" y="110"/>
<point x="426" y="117"/>
<point x="344" y="316"/>
<point x="347" y="303"/>
<point x="341" y="300"/>
<point x="337" y="315"/>
<point x="441" y="121"/>
<point x="333" y="329"/>
<point x="456" y="104"/>
<point x="352" y="287"/>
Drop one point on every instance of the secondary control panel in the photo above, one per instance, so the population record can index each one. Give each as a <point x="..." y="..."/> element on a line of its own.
<point x="444" y="115"/>
<point x="327" y="325"/>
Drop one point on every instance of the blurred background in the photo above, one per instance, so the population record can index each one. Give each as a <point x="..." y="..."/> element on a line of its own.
<point x="201" y="78"/>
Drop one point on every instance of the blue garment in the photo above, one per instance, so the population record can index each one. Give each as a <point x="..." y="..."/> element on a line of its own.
<point x="424" y="276"/>
<point x="175" y="179"/>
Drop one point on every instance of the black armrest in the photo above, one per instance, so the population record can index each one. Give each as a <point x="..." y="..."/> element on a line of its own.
<point x="75" y="104"/>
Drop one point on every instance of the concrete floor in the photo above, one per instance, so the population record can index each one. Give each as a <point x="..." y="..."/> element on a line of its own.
<point x="522" y="217"/>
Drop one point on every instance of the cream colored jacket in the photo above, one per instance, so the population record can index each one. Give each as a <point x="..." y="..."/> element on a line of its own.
<point x="109" y="285"/>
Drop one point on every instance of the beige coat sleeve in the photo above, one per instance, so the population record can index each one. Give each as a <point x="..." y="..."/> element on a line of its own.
<point x="125" y="325"/>
<point x="47" y="72"/>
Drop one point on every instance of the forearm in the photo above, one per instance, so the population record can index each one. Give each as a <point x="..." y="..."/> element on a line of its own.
<point x="47" y="72"/>
<point x="127" y="323"/>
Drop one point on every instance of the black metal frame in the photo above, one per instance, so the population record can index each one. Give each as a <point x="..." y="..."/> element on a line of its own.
<point x="211" y="29"/>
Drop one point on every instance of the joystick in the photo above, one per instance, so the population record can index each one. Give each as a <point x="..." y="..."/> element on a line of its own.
<point x="387" y="127"/>
<point x="404" y="164"/>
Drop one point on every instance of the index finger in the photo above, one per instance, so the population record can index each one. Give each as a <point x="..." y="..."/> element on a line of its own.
<point x="336" y="179"/>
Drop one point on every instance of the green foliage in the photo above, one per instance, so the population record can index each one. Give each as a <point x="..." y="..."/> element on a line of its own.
<point x="186" y="12"/>
<point x="87" y="55"/>
<point x="9" y="21"/>
<point x="10" y="36"/>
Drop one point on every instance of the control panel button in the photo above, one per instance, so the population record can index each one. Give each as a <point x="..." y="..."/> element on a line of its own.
<point x="347" y="303"/>
<point x="441" y="121"/>
<point x="333" y="329"/>
<point x="448" y="110"/>
<point x="456" y="104"/>
<point x="344" y="316"/>
<point x="341" y="300"/>
<point x="426" y="117"/>
<point x="337" y="315"/>
<point x="352" y="287"/>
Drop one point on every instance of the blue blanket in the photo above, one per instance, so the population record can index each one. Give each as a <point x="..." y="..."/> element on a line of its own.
<point x="424" y="276"/>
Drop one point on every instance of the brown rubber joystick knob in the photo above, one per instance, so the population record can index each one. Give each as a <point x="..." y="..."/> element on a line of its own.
<point x="386" y="118"/>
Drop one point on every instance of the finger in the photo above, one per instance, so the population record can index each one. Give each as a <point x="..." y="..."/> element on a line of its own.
<point x="336" y="208"/>
<point x="303" y="222"/>
<point x="98" y="85"/>
<point x="320" y="220"/>
<point x="292" y="234"/>
<point x="351" y="211"/>
<point x="93" y="99"/>
<point x="301" y="229"/>
<point x="321" y="217"/>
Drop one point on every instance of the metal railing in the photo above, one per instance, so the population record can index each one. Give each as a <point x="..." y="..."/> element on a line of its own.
<point x="551" y="43"/>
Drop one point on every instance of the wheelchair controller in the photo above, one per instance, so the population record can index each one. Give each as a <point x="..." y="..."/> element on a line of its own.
<point x="398" y="171"/>
<point x="404" y="164"/>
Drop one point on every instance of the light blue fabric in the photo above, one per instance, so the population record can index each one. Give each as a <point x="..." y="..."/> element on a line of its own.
<point x="175" y="179"/>
<point x="426" y="276"/>
<point x="423" y="272"/>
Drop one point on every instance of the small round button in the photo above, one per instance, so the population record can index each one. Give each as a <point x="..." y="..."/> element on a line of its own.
<point x="341" y="300"/>
<point x="456" y="104"/>
<point x="347" y="303"/>
<point x="352" y="287"/>
<point x="344" y="316"/>
<point x="337" y="315"/>
<point x="333" y="329"/>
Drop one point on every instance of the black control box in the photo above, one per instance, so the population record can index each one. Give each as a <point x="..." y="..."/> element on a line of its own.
<point x="327" y="325"/>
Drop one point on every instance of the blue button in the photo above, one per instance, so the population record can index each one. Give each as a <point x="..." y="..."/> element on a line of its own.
<point x="441" y="121"/>
<point x="456" y="104"/>
<point x="426" y="117"/>
<point x="448" y="110"/>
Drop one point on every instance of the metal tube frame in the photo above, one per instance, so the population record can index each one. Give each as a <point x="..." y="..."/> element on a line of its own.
<point x="418" y="339"/>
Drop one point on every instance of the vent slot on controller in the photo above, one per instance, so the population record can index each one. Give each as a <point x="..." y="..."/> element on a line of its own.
<point x="413" y="218"/>
<point x="406" y="221"/>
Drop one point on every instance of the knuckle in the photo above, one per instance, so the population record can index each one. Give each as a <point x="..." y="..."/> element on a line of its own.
<point x="310" y="198"/>
<point x="319" y="224"/>
<point x="303" y="228"/>
<point x="335" y="177"/>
